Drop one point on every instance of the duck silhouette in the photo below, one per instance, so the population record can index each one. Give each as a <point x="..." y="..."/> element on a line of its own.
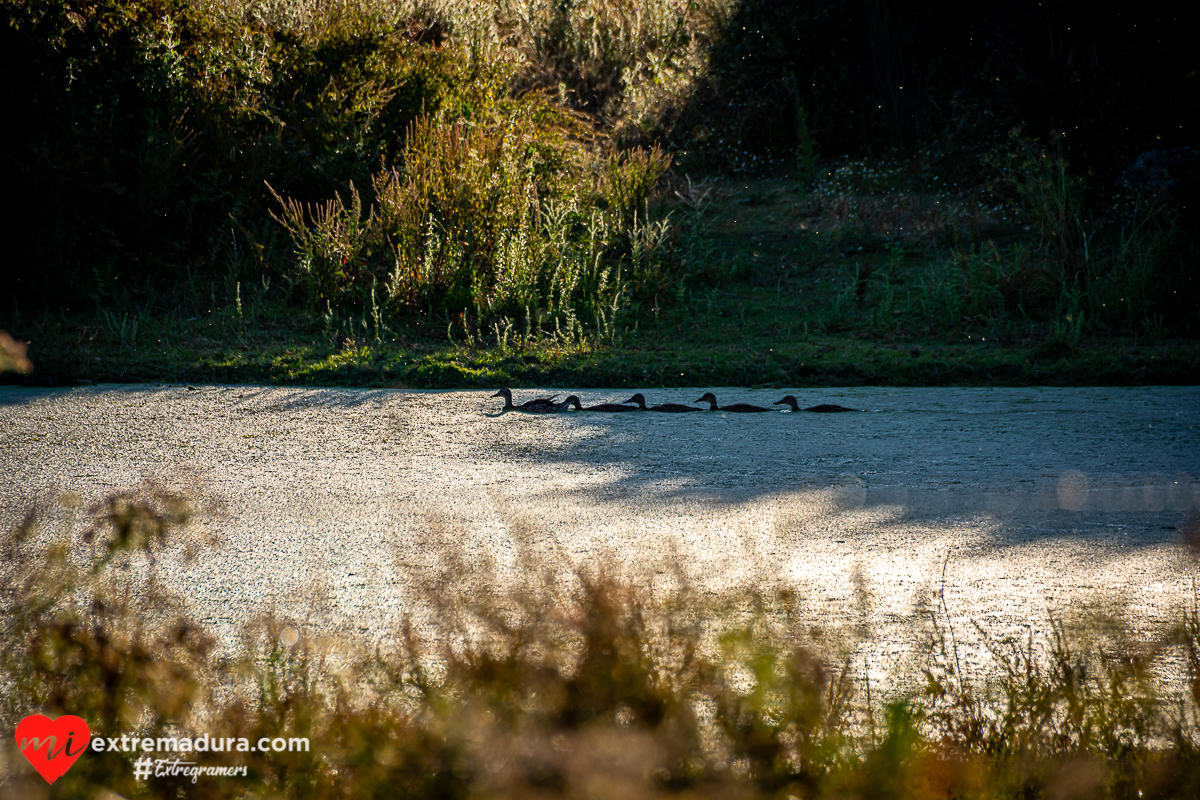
<point x="668" y="408"/>
<point x="737" y="408"/>
<point x="537" y="405"/>
<point x="824" y="408"/>
<point x="611" y="408"/>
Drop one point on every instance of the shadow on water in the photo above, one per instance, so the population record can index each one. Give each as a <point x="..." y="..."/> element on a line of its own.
<point x="21" y="395"/>
<point x="1111" y="463"/>
<point x="1033" y="463"/>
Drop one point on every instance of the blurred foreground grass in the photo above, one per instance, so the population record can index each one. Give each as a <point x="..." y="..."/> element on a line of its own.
<point x="568" y="685"/>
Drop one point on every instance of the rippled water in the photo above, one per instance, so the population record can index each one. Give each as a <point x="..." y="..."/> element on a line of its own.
<point x="1031" y="502"/>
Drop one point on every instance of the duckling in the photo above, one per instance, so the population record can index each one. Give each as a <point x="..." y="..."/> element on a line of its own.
<point x="573" y="400"/>
<point x="610" y="407"/>
<point x="540" y="404"/>
<point x="670" y="408"/>
<point x="824" y="408"/>
<point x="738" y="408"/>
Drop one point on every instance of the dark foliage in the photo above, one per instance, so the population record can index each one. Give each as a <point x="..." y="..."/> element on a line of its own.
<point x="149" y="130"/>
<point x="876" y="75"/>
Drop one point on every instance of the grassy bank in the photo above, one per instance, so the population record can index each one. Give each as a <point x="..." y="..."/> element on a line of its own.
<point x="648" y="358"/>
<point x="859" y="279"/>
<point x="570" y="684"/>
<point x="456" y="194"/>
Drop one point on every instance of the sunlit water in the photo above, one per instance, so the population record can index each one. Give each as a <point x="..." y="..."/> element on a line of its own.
<point x="947" y="507"/>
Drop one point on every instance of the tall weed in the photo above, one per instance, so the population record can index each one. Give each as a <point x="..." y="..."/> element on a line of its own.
<point x="572" y="683"/>
<point x="483" y="219"/>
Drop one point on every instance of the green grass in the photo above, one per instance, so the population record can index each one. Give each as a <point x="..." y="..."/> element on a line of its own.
<point x="550" y="171"/>
<point x="446" y="194"/>
<point x="856" y="279"/>
<point x="740" y="340"/>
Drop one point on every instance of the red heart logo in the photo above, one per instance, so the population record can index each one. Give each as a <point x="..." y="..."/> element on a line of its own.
<point x="52" y="745"/>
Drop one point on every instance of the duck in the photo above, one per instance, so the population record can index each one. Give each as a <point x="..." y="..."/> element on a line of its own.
<point x="737" y="408"/>
<point x="670" y="408"/>
<point x="572" y="400"/>
<point x="606" y="407"/>
<point x="823" y="408"/>
<point x="539" y="404"/>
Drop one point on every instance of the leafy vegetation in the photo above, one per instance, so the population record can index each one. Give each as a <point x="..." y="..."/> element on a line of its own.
<point x="500" y="177"/>
<point x="185" y="145"/>
<point x="593" y="192"/>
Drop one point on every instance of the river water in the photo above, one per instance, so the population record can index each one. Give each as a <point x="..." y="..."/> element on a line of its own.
<point x="988" y="512"/>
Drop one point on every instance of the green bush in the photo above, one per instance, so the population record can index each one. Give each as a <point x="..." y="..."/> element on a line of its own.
<point x="158" y="123"/>
<point x="487" y="221"/>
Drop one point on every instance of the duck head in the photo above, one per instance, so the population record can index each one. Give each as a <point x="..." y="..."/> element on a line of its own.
<point x="709" y="398"/>
<point x="789" y="400"/>
<point x="638" y="399"/>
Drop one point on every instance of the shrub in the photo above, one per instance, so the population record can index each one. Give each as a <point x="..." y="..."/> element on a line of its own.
<point x="496" y="220"/>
